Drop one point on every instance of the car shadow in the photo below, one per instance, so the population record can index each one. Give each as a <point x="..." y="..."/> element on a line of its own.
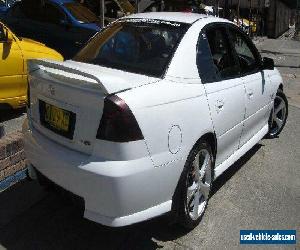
<point x="234" y="168"/>
<point x="7" y="114"/>
<point x="55" y="222"/>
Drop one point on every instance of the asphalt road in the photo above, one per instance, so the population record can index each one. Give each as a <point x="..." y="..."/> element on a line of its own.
<point x="260" y="191"/>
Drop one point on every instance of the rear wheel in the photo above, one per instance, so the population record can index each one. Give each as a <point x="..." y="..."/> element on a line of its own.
<point x="195" y="185"/>
<point x="278" y="115"/>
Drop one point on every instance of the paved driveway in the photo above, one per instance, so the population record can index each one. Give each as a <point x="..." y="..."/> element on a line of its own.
<point x="261" y="191"/>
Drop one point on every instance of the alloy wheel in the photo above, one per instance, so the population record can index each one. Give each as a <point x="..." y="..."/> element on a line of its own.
<point x="279" y="114"/>
<point x="198" y="184"/>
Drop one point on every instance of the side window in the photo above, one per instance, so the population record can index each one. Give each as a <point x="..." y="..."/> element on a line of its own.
<point x="207" y="70"/>
<point x="222" y="55"/>
<point x="248" y="59"/>
<point x="52" y="14"/>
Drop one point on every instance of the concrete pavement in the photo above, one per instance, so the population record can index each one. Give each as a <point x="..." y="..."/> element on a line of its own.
<point x="286" y="54"/>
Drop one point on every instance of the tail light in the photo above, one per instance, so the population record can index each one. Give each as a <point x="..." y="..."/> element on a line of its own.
<point x="118" y="124"/>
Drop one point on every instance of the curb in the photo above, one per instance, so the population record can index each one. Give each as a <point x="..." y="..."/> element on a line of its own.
<point x="9" y="181"/>
<point x="12" y="159"/>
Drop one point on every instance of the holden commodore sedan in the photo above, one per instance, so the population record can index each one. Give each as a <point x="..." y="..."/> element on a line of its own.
<point x="149" y="113"/>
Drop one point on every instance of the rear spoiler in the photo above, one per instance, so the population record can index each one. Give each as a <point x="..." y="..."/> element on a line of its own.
<point x="59" y="70"/>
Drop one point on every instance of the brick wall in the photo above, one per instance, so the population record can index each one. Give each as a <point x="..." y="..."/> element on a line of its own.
<point x="12" y="157"/>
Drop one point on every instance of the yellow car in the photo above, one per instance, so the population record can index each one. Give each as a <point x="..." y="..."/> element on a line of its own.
<point x="250" y="24"/>
<point x="14" y="52"/>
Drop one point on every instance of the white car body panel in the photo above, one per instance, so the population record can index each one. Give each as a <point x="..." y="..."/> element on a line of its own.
<point x="157" y="99"/>
<point x="125" y="183"/>
<point x="223" y="105"/>
<point x="241" y="151"/>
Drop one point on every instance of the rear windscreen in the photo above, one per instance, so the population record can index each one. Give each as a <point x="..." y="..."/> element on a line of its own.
<point x="135" y="45"/>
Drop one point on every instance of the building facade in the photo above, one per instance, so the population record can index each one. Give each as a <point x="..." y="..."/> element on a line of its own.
<point x="271" y="17"/>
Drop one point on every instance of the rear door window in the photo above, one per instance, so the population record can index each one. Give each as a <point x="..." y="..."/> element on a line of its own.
<point x="207" y="70"/>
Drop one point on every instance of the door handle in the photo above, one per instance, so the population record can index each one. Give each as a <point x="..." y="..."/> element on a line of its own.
<point x="219" y="105"/>
<point x="250" y="95"/>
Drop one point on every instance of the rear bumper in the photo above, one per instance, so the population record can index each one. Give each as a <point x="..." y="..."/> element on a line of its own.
<point x="116" y="193"/>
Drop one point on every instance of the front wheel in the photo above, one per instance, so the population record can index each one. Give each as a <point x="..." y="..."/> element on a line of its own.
<point x="278" y="115"/>
<point x="195" y="185"/>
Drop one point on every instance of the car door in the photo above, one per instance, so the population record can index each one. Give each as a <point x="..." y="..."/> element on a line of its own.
<point x="11" y="67"/>
<point x="258" y="95"/>
<point x="220" y="74"/>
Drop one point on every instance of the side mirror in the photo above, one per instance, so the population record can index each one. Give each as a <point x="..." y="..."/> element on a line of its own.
<point x="268" y="63"/>
<point x="3" y="34"/>
<point x="9" y="37"/>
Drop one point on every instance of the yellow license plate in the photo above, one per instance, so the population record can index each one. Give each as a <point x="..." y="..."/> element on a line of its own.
<point x="57" y="118"/>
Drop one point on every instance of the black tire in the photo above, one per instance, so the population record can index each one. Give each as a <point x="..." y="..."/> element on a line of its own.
<point x="274" y="128"/>
<point x="180" y="205"/>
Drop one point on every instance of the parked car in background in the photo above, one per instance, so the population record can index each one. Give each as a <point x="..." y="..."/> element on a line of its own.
<point x="149" y="113"/>
<point x="246" y="25"/>
<point x="64" y="25"/>
<point x="171" y="5"/>
<point x="6" y="4"/>
<point x="113" y="9"/>
<point x="14" y="53"/>
<point x="3" y="7"/>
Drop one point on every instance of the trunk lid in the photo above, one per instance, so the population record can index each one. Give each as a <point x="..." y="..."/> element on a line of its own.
<point x="67" y="99"/>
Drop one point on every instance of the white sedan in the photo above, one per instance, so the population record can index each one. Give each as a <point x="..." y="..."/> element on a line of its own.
<point x="149" y="113"/>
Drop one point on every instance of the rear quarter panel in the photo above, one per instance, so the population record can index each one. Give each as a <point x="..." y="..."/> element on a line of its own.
<point x="172" y="117"/>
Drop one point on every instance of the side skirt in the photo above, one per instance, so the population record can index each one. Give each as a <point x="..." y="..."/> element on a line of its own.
<point x="241" y="151"/>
